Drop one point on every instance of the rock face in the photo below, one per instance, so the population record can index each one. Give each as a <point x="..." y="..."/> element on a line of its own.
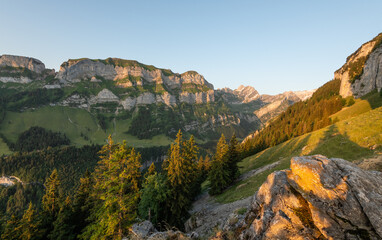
<point x="132" y="72"/>
<point x="361" y="73"/>
<point x="247" y="93"/>
<point x="317" y="198"/>
<point x="199" y="97"/>
<point x="13" y="69"/>
<point x="104" y="96"/>
<point x="32" y="64"/>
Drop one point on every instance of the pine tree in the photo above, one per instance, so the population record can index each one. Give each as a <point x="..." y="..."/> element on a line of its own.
<point x="219" y="176"/>
<point x="116" y="191"/>
<point x="201" y="165"/>
<point x="233" y="159"/>
<point x="180" y="169"/>
<point x="151" y="170"/>
<point x="83" y="202"/>
<point x="190" y="153"/>
<point x="30" y="224"/>
<point x="50" y="202"/>
<point x="207" y="164"/>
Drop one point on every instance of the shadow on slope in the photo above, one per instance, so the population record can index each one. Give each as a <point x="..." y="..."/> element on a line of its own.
<point x="350" y="140"/>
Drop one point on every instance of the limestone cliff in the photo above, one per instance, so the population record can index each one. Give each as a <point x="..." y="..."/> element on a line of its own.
<point x="361" y="73"/>
<point x="317" y="198"/>
<point x="127" y="73"/>
<point x="32" y="64"/>
<point x="20" y="69"/>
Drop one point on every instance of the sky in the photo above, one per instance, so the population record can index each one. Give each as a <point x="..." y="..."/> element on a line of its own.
<point x="274" y="46"/>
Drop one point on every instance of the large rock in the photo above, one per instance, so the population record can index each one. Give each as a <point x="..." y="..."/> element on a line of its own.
<point x="32" y="64"/>
<point x="318" y="198"/>
<point x="142" y="230"/>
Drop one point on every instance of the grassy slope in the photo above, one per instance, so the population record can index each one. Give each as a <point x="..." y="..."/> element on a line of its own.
<point x="72" y="122"/>
<point x="350" y="139"/>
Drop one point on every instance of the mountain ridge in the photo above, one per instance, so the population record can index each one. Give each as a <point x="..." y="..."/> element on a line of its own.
<point x="114" y="87"/>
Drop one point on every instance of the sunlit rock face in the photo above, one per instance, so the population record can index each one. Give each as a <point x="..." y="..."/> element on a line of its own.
<point x="317" y="198"/>
<point x="361" y="73"/>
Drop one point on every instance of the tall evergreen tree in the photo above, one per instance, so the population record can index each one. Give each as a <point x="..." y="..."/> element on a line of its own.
<point x="51" y="199"/>
<point x="30" y="224"/>
<point x="180" y="169"/>
<point x="233" y="158"/>
<point x="117" y="192"/>
<point x="219" y="175"/>
<point x="63" y="226"/>
<point x="83" y="203"/>
<point x="50" y="202"/>
<point x="190" y="153"/>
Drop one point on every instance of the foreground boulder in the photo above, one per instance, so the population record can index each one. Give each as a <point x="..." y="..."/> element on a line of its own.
<point x="317" y="198"/>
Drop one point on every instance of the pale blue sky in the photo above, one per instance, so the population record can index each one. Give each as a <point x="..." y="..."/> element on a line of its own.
<point x="274" y="46"/>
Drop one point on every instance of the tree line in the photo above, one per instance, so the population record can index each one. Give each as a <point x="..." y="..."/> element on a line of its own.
<point x="300" y="118"/>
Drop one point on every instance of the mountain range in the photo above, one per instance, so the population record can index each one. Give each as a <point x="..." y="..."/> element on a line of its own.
<point x="130" y="100"/>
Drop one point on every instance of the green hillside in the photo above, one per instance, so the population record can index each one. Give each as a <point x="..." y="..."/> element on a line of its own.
<point x="352" y="138"/>
<point x="80" y="126"/>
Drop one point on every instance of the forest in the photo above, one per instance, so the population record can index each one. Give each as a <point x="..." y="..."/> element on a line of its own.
<point x="106" y="201"/>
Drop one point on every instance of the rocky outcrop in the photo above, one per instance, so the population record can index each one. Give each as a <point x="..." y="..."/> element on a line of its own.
<point x="131" y="73"/>
<point x="361" y="73"/>
<point x="18" y="69"/>
<point x="317" y="198"/>
<point x="104" y="96"/>
<point x="31" y="64"/>
<point x="8" y="181"/>
<point x="199" y="97"/>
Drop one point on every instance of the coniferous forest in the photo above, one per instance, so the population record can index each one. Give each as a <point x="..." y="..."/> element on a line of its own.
<point x="106" y="190"/>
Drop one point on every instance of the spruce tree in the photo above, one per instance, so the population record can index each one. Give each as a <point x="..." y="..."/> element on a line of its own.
<point x="51" y="199"/>
<point x="190" y="153"/>
<point x="63" y="226"/>
<point x="219" y="175"/>
<point x="151" y="170"/>
<point x="180" y="168"/>
<point x="83" y="203"/>
<point x="30" y="224"/>
<point x="207" y="164"/>
<point x="233" y="159"/>
<point x="50" y="202"/>
<point x="116" y="192"/>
